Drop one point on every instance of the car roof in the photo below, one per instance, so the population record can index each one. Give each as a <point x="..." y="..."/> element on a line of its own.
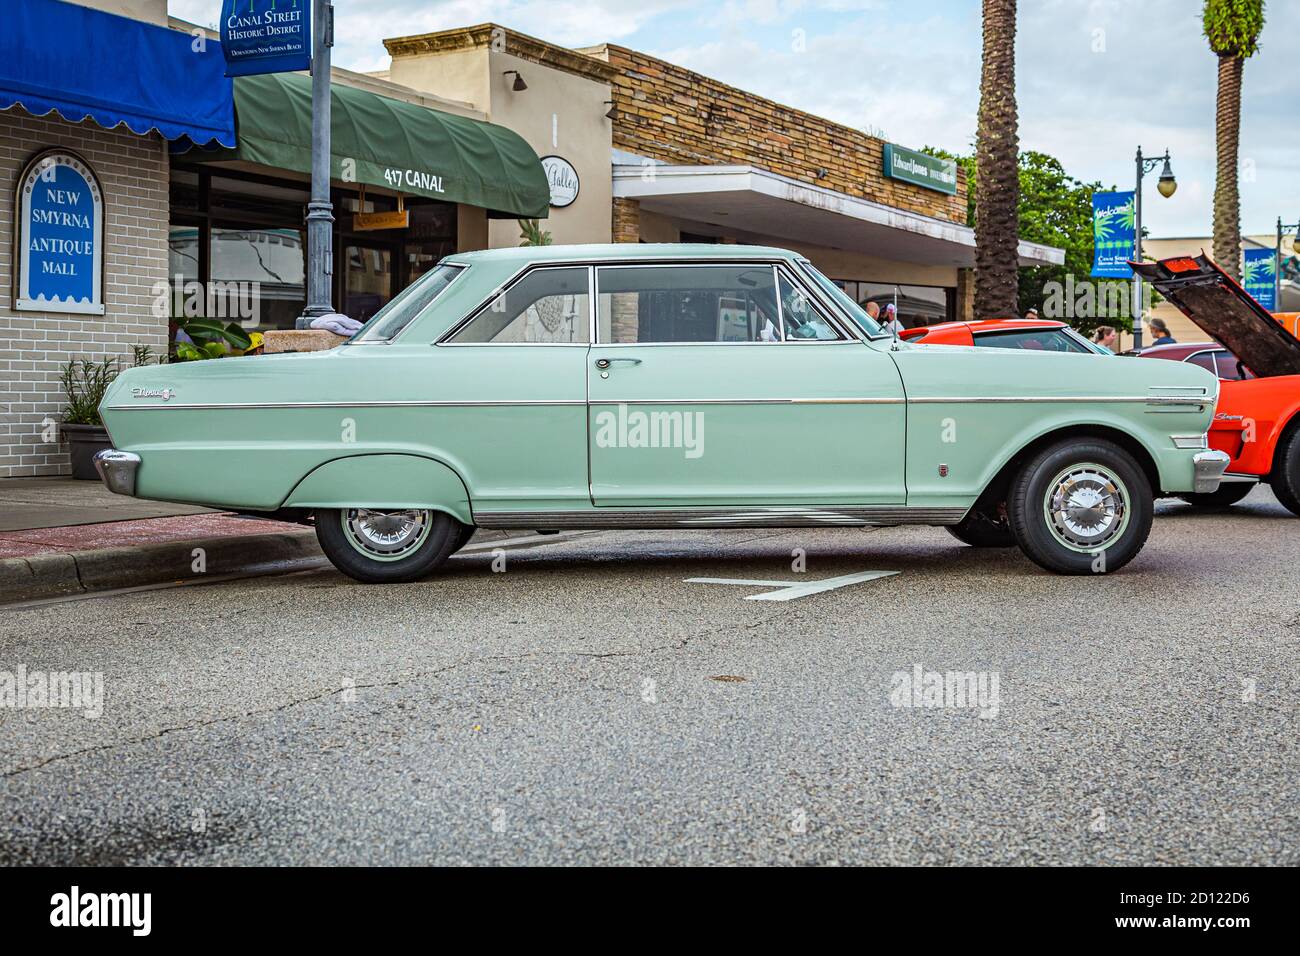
<point x="1183" y="349"/>
<point x="622" y="250"/>
<point x="994" y="325"/>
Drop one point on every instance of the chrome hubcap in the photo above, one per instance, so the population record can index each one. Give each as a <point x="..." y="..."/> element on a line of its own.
<point x="1086" y="507"/>
<point x="386" y="535"/>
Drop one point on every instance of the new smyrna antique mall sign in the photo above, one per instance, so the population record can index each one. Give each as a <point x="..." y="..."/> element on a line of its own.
<point x="60" y="236"/>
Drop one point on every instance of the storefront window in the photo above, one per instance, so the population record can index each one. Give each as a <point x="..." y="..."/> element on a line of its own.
<point x="244" y="238"/>
<point x="917" y="304"/>
<point x="264" y="269"/>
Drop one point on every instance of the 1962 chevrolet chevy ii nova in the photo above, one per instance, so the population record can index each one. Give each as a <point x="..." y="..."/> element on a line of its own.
<point x="676" y="386"/>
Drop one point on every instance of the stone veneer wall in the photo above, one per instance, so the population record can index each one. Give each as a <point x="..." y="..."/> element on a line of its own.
<point x="672" y="114"/>
<point x="133" y="172"/>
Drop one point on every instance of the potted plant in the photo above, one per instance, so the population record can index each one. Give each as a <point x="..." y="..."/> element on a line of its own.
<point x="84" y="384"/>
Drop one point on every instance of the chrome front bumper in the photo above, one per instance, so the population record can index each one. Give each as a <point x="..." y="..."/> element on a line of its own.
<point x="1208" y="469"/>
<point x="117" y="470"/>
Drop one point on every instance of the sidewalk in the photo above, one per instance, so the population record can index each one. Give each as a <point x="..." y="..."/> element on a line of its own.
<point x="61" y="537"/>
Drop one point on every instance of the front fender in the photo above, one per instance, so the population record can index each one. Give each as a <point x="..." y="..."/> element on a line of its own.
<point x="383" y="481"/>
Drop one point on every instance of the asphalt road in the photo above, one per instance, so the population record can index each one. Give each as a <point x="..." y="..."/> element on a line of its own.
<point x="570" y="709"/>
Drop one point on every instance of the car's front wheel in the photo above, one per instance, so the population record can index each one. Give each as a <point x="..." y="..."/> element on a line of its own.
<point x="1081" y="507"/>
<point x="387" y="546"/>
<point x="1286" y="472"/>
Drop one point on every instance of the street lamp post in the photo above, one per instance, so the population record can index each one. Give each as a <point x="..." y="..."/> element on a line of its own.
<point x="1277" y="260"/>
<point x="1166" y="184"/>
<point x="320" y="211"/>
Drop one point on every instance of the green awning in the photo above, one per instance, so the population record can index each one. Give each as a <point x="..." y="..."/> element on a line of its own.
<point x="411" y="149"/>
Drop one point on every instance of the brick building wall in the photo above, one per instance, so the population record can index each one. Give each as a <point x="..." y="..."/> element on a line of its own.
<point x="672" y="114"/>
<point x="133" y="172"/>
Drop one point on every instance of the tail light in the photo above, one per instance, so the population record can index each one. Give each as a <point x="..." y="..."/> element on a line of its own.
<point x="1182" y="264"/>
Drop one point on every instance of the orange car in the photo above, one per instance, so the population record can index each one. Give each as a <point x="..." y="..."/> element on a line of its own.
<point x="1257" y="421"/>
<point x="1042" y="335"/>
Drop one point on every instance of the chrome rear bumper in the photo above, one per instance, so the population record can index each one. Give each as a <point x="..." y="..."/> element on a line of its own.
<point x="117" y="470"/>
<point x="1208" y="467"/>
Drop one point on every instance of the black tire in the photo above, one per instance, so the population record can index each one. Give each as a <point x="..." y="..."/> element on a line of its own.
<point x="1227" y="495"/>
<point x="1105" y="483"/>
<point x="1286" y="472"/>
<point x="980" y="530"/>
<point x="343" y="537"/>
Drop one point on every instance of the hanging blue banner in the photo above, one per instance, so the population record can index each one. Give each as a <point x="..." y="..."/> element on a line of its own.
<point x="1258" y="274"/>
<point x="1114" y="235"/>
<point x="265" y="36"/>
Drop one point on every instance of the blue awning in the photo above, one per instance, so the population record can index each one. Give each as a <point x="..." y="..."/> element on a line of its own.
<point x="87" y="64"/>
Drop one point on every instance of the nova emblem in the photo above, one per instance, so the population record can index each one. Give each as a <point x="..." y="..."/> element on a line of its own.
<point x="164" y="393"/>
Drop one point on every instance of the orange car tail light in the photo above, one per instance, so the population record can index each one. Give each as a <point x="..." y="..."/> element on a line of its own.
<point x="1183" y="264"/>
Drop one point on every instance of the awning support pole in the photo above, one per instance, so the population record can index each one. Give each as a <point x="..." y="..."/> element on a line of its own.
<point x="320" y="211"/>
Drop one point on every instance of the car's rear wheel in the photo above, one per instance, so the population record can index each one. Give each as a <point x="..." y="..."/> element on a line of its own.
<point x="1081" y="507"/>
<point x="1286" y="472"/>
<point x="1226" y="495"/>
<point x="387" y="546"/>
<point x="980" y="529"/>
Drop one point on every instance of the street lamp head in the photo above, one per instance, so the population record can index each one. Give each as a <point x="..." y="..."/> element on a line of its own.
<point x="1166" y="183"/>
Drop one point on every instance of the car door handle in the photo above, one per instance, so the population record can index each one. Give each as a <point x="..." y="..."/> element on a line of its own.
<point x="603" y="363"/>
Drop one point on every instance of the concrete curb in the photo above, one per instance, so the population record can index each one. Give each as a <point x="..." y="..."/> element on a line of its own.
<point x="64" y="574"/>
<point x="68" y="573"/>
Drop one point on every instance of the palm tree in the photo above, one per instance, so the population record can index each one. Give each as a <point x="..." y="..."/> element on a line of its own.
<point x="1232" y="28"/>
<point x="997" y="187"/>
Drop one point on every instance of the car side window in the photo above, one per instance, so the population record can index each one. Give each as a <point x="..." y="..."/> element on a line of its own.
<point x="1203" y="360"/>
<point x="803" y="321"/>
<point x="687" y="303"/>
<point x="1037" y="340"/>
<point x="1230" y="367"/>
<point x="545" y="307"/>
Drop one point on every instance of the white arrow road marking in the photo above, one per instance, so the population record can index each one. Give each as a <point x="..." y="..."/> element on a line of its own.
<point x="791" y="590"/>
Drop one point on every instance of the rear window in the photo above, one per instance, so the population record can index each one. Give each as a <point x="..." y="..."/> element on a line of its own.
<point x="398" y="313"/>
<point x="1035" y="340"/>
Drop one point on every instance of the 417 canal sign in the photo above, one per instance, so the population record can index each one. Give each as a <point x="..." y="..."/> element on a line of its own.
<point x="265" y="36"/>
<point x="60" y="236"/>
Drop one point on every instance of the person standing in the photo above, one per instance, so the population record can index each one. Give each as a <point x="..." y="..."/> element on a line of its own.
<point x="1106" y="337"/>
<point x="1160" y="333"/>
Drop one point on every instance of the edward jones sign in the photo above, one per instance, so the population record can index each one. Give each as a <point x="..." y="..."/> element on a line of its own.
<point x="921" y="169"/>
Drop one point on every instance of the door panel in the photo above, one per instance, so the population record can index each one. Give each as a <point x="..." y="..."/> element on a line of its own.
<point x="757" y="424"/>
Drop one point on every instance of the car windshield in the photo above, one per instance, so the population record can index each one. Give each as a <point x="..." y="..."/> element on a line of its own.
<point x="843" y="299"/>
<point x="397" y="314"/>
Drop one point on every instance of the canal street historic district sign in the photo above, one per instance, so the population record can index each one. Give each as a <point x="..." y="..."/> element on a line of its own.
<point x="265" y="36"/>
<point x="920" y="169"/>
<point x="60" y="250"/>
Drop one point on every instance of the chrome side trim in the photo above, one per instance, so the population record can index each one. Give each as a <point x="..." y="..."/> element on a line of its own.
<point x="489" y="403"/>
<point x="117" y="470"/>
<point x="1190" y="442"/>
<point x="648" y="519"/>
<point x="377" y="404"/>
<point x="1123" y="399"/>
<point x="1230" y="477"/>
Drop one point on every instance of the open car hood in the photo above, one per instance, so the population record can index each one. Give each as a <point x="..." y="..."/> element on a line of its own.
<point x="1220" y="307"/>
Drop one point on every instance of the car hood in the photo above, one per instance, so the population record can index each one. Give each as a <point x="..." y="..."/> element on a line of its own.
<point x="1220" y="307"/>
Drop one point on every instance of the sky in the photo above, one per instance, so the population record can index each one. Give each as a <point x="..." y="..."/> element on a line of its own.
<point x="1095" y="78"/>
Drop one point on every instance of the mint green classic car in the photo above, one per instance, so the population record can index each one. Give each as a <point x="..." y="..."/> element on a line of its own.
<point x="661" y="386"/>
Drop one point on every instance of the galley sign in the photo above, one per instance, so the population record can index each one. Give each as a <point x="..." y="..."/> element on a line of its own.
<point x="563" y="179"/>
<point x="60" y="236"/>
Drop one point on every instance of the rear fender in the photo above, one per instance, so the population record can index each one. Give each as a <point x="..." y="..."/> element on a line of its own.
<point x="383" y="481"/>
